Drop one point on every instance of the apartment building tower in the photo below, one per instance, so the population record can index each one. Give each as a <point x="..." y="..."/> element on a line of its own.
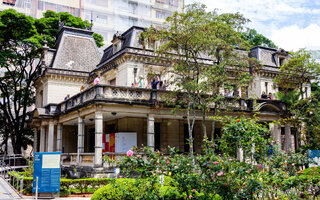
<point x="108" y="16"/>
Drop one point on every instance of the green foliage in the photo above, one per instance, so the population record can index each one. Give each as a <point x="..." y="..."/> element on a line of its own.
<point x="246" y="134"/>
<point x="308" y="111"/>
<point x="255" y="39"/>
<point x="299" y="71"/>
<point x="48" y="25"/>
<point x="212" y="176"/>
<point x="138" y="189"/>
<point x="202" y="48"/>
<point x="21" y="39"/>
<point x="19" y="51"/>
<point x="72" y="186"/>
<point x="290" y="98"/>
<point x="98" y="39"/>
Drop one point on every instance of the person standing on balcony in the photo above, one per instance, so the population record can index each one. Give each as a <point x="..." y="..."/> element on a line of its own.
<point x="154" y="83"/>
<point x="140" y="81"/>
<point x="163" y="85"/>
<point x="96" y="80"/>
<point x="67" y="97"/>
<point x="264" y="96"/>
<point x="270" y="96"/>
<point x="154" y="86"/>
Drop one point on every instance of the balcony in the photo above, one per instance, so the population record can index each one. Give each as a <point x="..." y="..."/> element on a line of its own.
<point x="148" y="97"/>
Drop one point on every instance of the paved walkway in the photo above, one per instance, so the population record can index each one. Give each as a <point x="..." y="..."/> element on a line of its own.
<point x="7" y="192"/>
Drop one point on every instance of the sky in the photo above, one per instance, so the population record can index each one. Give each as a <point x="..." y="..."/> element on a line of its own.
<point x="290" y="24"/>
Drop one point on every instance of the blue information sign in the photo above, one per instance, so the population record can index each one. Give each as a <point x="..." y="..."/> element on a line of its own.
<point x="47" y="167"/>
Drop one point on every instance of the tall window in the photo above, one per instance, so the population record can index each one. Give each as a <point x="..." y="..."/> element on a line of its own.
<point x="160" y="14"/>
<point x="266" y="87"/>
<point x="281" y="61"/>
<point x="306" y="91"/>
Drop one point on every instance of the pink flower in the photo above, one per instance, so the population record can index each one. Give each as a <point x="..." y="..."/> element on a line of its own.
<point x="220" y="173"/>
<point x="292" y="164"/>
<point x="215" y="162"/>
<point x="190" y="196"/>
<point x="277" y="141"/>
<point x="249" y="171"/>
<point x="194" y="190"/>
<point x="230" y="159"/>
<point x="138" y="156"/>
<point x="129" y="153"/>
<point x="260" y="166"/>
<point x="167" y="162"/>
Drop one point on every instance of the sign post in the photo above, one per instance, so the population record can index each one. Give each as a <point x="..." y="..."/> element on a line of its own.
<point x="46" y="175"/>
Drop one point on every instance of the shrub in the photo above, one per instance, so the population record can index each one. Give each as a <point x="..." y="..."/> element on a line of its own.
<point x="139" y="189"/>
<point x="71" y="186"/>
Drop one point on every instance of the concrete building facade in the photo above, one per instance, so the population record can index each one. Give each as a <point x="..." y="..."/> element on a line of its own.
<point x="108" y="16"/>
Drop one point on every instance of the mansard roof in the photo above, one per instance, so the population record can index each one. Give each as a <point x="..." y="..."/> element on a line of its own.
<point x="268" y="56"/>
<point x="75" y="50"/>
<point x="130" y="38"/>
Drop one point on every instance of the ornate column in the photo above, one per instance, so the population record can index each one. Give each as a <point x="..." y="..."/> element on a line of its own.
<point x="42" y="138"/>
<point x="80" y="148"/>
<point x="275" y="130"/>
<point x="35" y="140"/>
<point x="50" y="136"/>
<point x="98" y="139"/>
<point x="287" y="144"/>
<point x="150" y="130"/>
<point x="59" y="137"/>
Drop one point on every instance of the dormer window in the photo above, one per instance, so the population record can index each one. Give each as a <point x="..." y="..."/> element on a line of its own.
<point x="281" y="56"/>
<point x="117" y="42"/>
<point x="116" y="47"/>
<point x="281" y="61"/>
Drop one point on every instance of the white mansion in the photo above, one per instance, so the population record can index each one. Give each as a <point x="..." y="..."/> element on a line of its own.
<point x="80" y="126"/>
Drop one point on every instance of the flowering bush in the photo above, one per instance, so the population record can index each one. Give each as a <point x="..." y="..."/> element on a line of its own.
<point x="214" y="176"/>
<point x="246" y="134"/>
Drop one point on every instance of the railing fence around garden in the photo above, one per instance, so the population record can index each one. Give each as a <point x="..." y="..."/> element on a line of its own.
<point x="8" y="166"/>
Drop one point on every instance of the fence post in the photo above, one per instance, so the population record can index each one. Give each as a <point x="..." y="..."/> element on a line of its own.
<point x="21" y="185"/>
<point x="37" y="189"/>
<point x="12" y="180"/>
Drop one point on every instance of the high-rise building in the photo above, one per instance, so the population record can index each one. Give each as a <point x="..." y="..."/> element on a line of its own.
<point x="108" y="16"/>
<point x="35" y="8"/>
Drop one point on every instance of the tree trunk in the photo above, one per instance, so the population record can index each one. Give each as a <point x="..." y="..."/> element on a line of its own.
<point x="190" y="129"/>
<point x="213" y="123"/>
<point x="204" y="128"/>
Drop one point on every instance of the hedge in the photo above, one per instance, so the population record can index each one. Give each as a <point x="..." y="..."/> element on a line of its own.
<point x="71" y="186"/>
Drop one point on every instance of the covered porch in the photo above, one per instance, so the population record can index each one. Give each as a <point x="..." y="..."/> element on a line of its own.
<point x="79" y="126"/>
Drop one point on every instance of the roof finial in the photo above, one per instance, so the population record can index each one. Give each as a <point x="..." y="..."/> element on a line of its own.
<point x="90" y="28"/>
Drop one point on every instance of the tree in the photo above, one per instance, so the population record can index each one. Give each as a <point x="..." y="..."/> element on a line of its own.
<point x="299" y="70"/>
<point x="246" y="134"/>
<point x="21" y="39"/>
<point x="19" y="49"/>
<point x="293" y="78"/>
<point x="203" y="48"/>
<point x="254" y="39"/>
<point x="48" y="25"/>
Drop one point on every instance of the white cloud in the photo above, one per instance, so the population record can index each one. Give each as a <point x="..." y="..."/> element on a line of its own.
<point x="290" y="24"/>
<point x="294" y="38"/>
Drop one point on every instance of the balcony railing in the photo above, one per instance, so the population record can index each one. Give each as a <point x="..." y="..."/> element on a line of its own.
<point x="141" y="96"/>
